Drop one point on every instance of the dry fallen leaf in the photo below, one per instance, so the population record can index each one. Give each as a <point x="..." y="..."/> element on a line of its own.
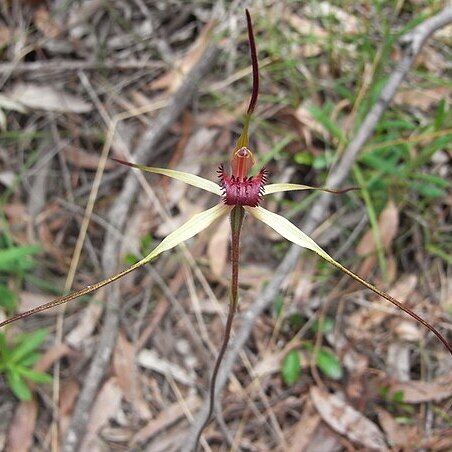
<point x="84" y="159"/>
<point x="105" y="406"/>
<point x="69" y="391"/>
<point x="424" y="99"/>
<point x="424" y="391"/>
<point x="149" y="359"/>
<point x="305" y="118"/>
<point x="128" y="376"/>
<point x="217" y="249"/>
<point x="87" y="321"/>
<point x="405" y="437"/>
<point x="20" y="435"/>
<point x="46" y="24"/>
<point x="303" y="430"/>
<point x="388" y="224"/>
<point x="347" y="421"/>
<point x="173" y="79"/>
<point x="348" y="22"/>
<point x="6" y="33"/>
<point x="31" y="300"/>
<point x="44" y="97"/>
<point x="309" y="28"/>
<point x="167" y="417"/>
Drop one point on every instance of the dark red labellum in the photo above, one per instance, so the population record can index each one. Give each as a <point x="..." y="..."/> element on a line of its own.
<point x="246" y="191"/>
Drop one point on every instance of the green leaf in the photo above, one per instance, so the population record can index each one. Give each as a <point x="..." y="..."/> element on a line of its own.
<point x="279" y="304"/>
<point x="440" y="114"/>
<point x="428" y="190"/>
<point x="31" y="359"/>
<point x="322" y="117"/>
<point x="323" y="161"/>
<point x="304" y="158"/>
<point x="296" y="320"/>
<point x="440" y="252"/>
<point x="8" y="299"/>
<point x="327" y="362"/>
<point x="326" y="326"/>
<point x="17" y="258"/>
<point x="28" y="343"/>
<point x="291" y="368"/>
<point x="38" y="377"/>
<point x="398" y="396"/>
<point x="130" y="259"/>
<point x="18" y="386"/>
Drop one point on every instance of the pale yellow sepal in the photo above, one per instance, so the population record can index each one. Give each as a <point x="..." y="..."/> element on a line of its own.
<point x="190" y="179"/>
<point x="288" y="230"/>
<point x="278" y="188"/>
<point x="193" y="226"/>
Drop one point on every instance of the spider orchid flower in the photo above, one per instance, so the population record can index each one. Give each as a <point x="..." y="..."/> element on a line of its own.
<point x="239" y="193"/>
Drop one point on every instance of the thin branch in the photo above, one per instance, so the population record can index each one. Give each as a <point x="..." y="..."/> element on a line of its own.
<point x="110" y="254"/>
<point x="412" y="43"/>
<point x="54" y="66"/>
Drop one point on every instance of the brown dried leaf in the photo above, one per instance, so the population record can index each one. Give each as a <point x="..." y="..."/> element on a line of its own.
<point x="304" y="429"/>
<point x="87" y="321"/>
<point x="349" y="23"/>
<point x="149" y="359"/>
<point x="105" y="406"/>
<point x="200" y="142"/>
<point x="31" y="300"/>
<point x="166" y="418"/>
<point x="347" y="421"/>
<point x="424" y="391"/>
<point x="388" y="224"/>
<point x="125" y="368"/>
<point x="307" y="27"/>
<point x="20" y="435"/>
<point x="6" y="33"/>
<point x="173" y="79"/>
<point x="398" y="435"/>
<point x="217" y="249"/>
<point x="423" y="99"/>
<point x="53" y="354"/>
<point x="304" y="117"/>
<point x="84" y="159"/>
<point x="45" y="97"/>
<point x="431" y="59"/>
<point x="69" y="392"/>
<point x="46" y="24"/>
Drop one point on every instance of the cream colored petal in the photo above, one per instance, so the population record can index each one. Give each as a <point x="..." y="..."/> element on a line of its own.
<point x="287" y="229"/>
<point x="278" y="188"/>
<point x="193" y="226"/>
<point x="188" y="178"/>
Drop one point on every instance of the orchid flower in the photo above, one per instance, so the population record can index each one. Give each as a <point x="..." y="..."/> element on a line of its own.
<point x="239" y="194"/>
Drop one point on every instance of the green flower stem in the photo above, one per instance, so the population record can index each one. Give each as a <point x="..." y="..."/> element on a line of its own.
<point x="236" y="219"/>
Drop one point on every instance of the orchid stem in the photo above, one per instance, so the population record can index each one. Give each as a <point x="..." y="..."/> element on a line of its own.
<point x="236" y="218"/>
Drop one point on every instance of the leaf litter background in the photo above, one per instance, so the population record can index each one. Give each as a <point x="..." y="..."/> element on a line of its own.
<point x="387" y="383"/>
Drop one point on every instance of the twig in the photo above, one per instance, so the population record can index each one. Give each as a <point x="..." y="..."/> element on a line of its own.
<point x="412" y="43"/>
<point x="117" y="217"/>
<point x="75" y="65"/>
